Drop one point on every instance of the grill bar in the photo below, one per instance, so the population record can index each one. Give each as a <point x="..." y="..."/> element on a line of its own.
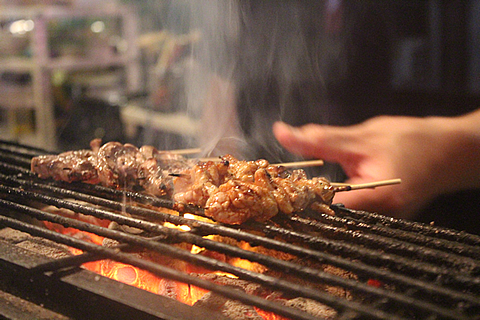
<point x="425" y="229"/>
<point x="387" y="244"/>
<point x="401" y="264"/>
<point x="81" y="294"/>
<point x="419" y="239"/>
<point x="15" y="159"/>
<point x="125" y="220"/>
<point x="22" y="150"/>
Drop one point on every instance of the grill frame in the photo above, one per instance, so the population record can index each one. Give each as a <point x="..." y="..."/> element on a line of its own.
<point x="346" y="242"/>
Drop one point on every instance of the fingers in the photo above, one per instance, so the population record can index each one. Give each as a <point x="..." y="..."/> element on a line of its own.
<point x="325" y="142"/>
<point x="355" y="149"/>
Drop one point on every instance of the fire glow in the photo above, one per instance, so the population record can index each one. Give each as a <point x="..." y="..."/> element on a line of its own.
<point x="129" y="274"/>
<point x="147" y="281"/>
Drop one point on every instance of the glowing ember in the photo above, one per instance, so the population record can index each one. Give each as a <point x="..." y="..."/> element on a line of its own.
<point x="268" y="315"/>
<point x="145" y="280"/>
<point x="90" y="237"/>
<point x="130" y="275"/>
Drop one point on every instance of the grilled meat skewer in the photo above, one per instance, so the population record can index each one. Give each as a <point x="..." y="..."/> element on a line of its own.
<point x="234" y="191"/>
<point x="114" y="165"/>
<point x="231" y="191"/>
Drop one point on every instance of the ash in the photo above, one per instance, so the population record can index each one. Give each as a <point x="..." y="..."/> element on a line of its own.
<point x="36" y="245"/>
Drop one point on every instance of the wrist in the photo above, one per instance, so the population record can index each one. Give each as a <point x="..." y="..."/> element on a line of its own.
<point x="459" y="137"/>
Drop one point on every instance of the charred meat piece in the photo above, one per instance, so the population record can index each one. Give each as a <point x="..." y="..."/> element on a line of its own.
<point x="243" y="170"/>
<point x="68" y="166"/>
<point x="117" y="164"/>
<point x="236" y="201"/>
<point x="196" y="185"/>
<point x="114" y="165"/>
<point x="154" y="174"/>
<point x="175" y="163"/>
<point x="234" y="191"/>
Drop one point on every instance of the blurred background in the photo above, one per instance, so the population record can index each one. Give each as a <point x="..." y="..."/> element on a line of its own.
<point x="74" y="70"/>
<point x="216" y="73"/>
<point x="178" y="74"/>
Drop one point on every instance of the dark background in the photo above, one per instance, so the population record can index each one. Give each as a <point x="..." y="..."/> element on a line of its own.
<point x="365" y="58"/>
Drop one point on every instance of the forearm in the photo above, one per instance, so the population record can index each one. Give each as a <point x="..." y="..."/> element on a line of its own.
<point x="461" y="168"/>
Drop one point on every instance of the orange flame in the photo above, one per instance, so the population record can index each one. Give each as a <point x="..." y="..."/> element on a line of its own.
<point x="145" y="280"/>
<point x="130" y="275"/>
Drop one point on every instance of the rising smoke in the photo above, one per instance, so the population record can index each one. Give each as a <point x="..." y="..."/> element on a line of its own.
<point x="256" y="62"/>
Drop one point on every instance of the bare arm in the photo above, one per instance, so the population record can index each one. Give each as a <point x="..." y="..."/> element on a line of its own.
<point x="432" y="156"/>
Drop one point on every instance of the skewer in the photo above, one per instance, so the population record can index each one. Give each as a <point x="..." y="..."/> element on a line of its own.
<point x="370" y="185"/>
<point x="185" y="151"/>
<point x="214" y="159"/>
<point x="296" y="164"/>
<point x="300" y="164"/>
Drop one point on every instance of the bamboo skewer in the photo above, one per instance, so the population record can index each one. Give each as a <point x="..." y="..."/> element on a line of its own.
<point x="300" y="164"/>
<point x="214" y="159"/>
<point x="296" y="164"/>
<point x="307" y="163"/>
<point x="185" y="151"/>
<point x="370" y="185"/>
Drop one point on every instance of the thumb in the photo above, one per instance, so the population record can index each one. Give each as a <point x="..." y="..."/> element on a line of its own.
<point x="325" y="142"/>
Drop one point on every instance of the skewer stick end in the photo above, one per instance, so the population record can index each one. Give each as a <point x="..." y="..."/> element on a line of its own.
<point x="371" y="185"/>
<point x="301" y="164"/>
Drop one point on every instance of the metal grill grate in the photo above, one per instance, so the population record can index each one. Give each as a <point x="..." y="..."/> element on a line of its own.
<point x="418" y="271"/>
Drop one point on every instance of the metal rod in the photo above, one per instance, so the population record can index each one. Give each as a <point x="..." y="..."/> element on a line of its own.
<point x="412" y="226"/>
<point x="381" y="231"/>
<point x="396" y="246"/>
<point x="351" y="223"/>
<point x="215" y="264"/>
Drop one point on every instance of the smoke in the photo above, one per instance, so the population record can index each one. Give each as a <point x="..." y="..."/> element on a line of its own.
<point x="211" y="88"/>
<point x="255" y="62"/>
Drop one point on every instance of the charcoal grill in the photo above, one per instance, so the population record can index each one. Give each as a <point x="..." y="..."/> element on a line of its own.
<point x="397" y="269"/>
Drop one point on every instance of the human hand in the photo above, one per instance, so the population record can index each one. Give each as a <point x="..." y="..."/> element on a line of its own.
<point x="423" y="152"/>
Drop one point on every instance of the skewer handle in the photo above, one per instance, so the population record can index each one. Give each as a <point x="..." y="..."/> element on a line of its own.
<point x="371" y="185"/>
<point x="300" y="164"/>
<point x="185" y="151"/>
<point x="296" y="164"/>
